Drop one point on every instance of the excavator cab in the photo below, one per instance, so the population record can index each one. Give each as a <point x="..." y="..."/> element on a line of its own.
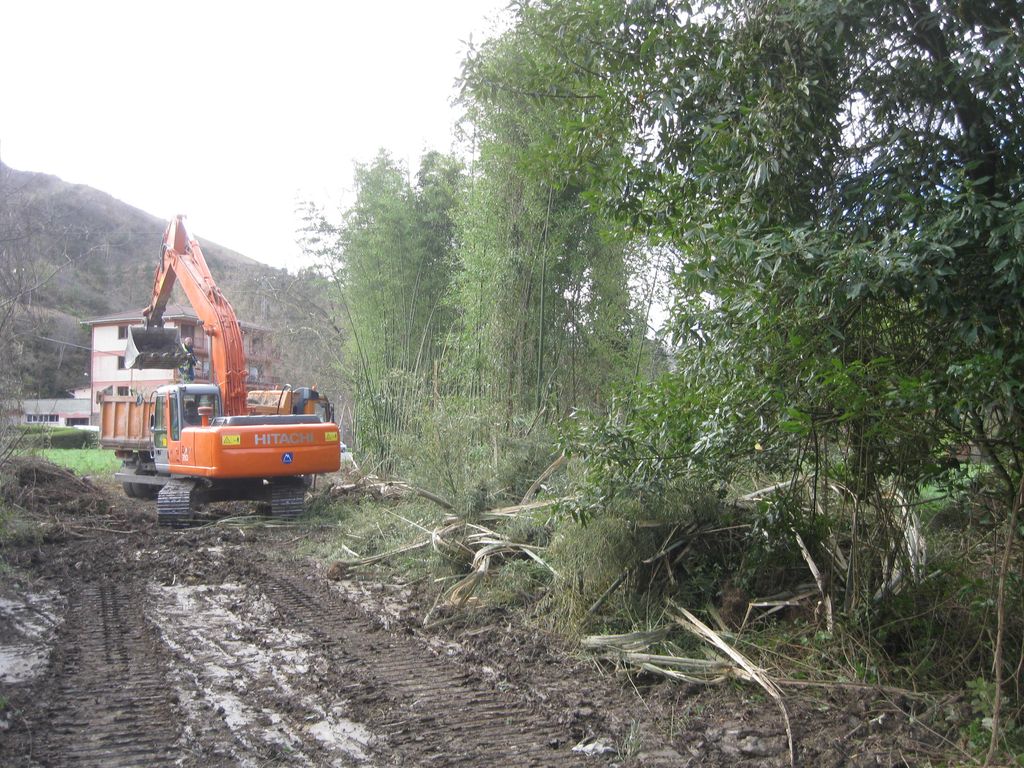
<point x="155" y="347"/>
<point x="177" y="408"/>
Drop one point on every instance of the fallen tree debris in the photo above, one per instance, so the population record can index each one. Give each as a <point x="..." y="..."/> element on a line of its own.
<point x="776" y="603"/>
<point x="630" y="650"/>
<point x="456" y="538"/>
<point x="691" y="623"/>
<point x="491" y="546"/>
<point x="41" y="487"/>
<point x="727" y="663"/>
<point x="383" y="490"/>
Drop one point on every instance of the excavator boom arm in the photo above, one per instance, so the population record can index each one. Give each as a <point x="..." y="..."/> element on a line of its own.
<point x="182" y="260"/>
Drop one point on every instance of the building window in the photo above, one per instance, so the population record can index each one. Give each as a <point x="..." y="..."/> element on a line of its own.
<point x="122" y="331"/>
<point x="123" y="391"/>
<point x="188" y="330"/>
<point x="76" y="421"/>
<point x="41" y="418"/>
<point x="120" y="363"/>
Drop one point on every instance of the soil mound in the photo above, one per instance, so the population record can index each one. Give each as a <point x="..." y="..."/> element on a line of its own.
<point x="42" y="487"/>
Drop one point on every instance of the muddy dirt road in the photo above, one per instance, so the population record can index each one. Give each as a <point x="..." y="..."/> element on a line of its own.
<point x="123" y="644"/>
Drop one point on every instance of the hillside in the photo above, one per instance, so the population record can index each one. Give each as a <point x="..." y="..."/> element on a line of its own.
<point x="69" y="252"/>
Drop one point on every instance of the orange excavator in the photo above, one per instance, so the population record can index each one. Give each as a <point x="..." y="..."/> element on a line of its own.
<point x="206" y="442"/>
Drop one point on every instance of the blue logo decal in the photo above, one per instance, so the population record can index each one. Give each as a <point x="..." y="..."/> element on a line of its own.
<point x="287" y="457"/>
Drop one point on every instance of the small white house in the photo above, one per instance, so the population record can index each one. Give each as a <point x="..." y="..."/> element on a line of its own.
<point x="55" y="412"/>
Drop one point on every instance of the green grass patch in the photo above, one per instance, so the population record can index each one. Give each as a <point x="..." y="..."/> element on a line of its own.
<point x="83" y="461"/>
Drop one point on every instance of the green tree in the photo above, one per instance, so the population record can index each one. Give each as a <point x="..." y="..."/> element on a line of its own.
<point x="840" y="184"/>
<point x="544" y="289"/>
<point x="386" y="269"/>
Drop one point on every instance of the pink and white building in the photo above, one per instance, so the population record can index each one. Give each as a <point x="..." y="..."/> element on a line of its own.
<point x="109" y="375"/>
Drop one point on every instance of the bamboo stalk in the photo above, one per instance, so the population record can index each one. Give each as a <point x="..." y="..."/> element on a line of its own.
<point x="760" y="493"/>
<point x="630" y="640"/>
<point x="552" y="468"/>
<point x="608" y="592"/>
<point x="682" y="677"/>
<point x="371" y="559"/>
<point x="825" y="598"/>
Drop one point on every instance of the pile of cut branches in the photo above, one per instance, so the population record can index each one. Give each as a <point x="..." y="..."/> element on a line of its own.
<point x="478" y="542"/>
<point x="370" y="486"/>
<point x="41" y="487"/>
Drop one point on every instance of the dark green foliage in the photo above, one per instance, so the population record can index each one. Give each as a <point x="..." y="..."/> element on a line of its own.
<point x="54" y="437"/>
<point x="772" y="562"/>
<point x="836" y="186"/>
<point x="844" y="229"/>
<point x="839" y="182"/>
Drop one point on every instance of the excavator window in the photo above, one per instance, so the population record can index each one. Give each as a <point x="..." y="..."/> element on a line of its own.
<point x="175" y="410"/>
<point x="190" y="405"/>
<point x="159" y="425"/>
<point x="321" y="409"/>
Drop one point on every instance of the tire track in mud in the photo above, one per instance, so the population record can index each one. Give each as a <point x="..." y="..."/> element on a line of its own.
<point x="110" y="705"/>
<point x="425" y="711"/>
<point x="247" y="683"/>
<point x="185" y="650"/>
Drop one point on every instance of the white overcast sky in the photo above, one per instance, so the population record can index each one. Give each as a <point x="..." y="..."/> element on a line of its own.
<point x="229" y="112"/>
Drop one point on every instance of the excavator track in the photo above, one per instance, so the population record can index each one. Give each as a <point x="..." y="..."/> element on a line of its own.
<point x="109" y="704"/>
<point x="287" y="499"/>
<point x="174" y="503"/>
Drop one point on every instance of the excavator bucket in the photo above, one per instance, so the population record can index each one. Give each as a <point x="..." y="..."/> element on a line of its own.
<point x="153" y="348"/>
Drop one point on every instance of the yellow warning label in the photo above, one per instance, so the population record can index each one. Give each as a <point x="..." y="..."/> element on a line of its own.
<point x="331" y="437"/>
<point x="230" y="439"/>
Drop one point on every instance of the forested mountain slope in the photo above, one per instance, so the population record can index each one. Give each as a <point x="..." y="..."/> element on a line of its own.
<point x="69" y="252"/>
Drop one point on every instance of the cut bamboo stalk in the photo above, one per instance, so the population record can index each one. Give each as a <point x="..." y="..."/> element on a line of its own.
<point x="826" y="599"/>
<point x="682" y="677"/>
<point x="762" y="492"/>
<point x="690" y="622"/>
<point x="371" y="559"/>
<point x="628" y="641"/>
<point x="552" y="468"/>
<point x="608" y="592"/>
<point x="775" y="604"/>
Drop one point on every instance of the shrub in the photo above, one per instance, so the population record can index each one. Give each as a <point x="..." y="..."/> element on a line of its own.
<point x="40" y="436"/>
